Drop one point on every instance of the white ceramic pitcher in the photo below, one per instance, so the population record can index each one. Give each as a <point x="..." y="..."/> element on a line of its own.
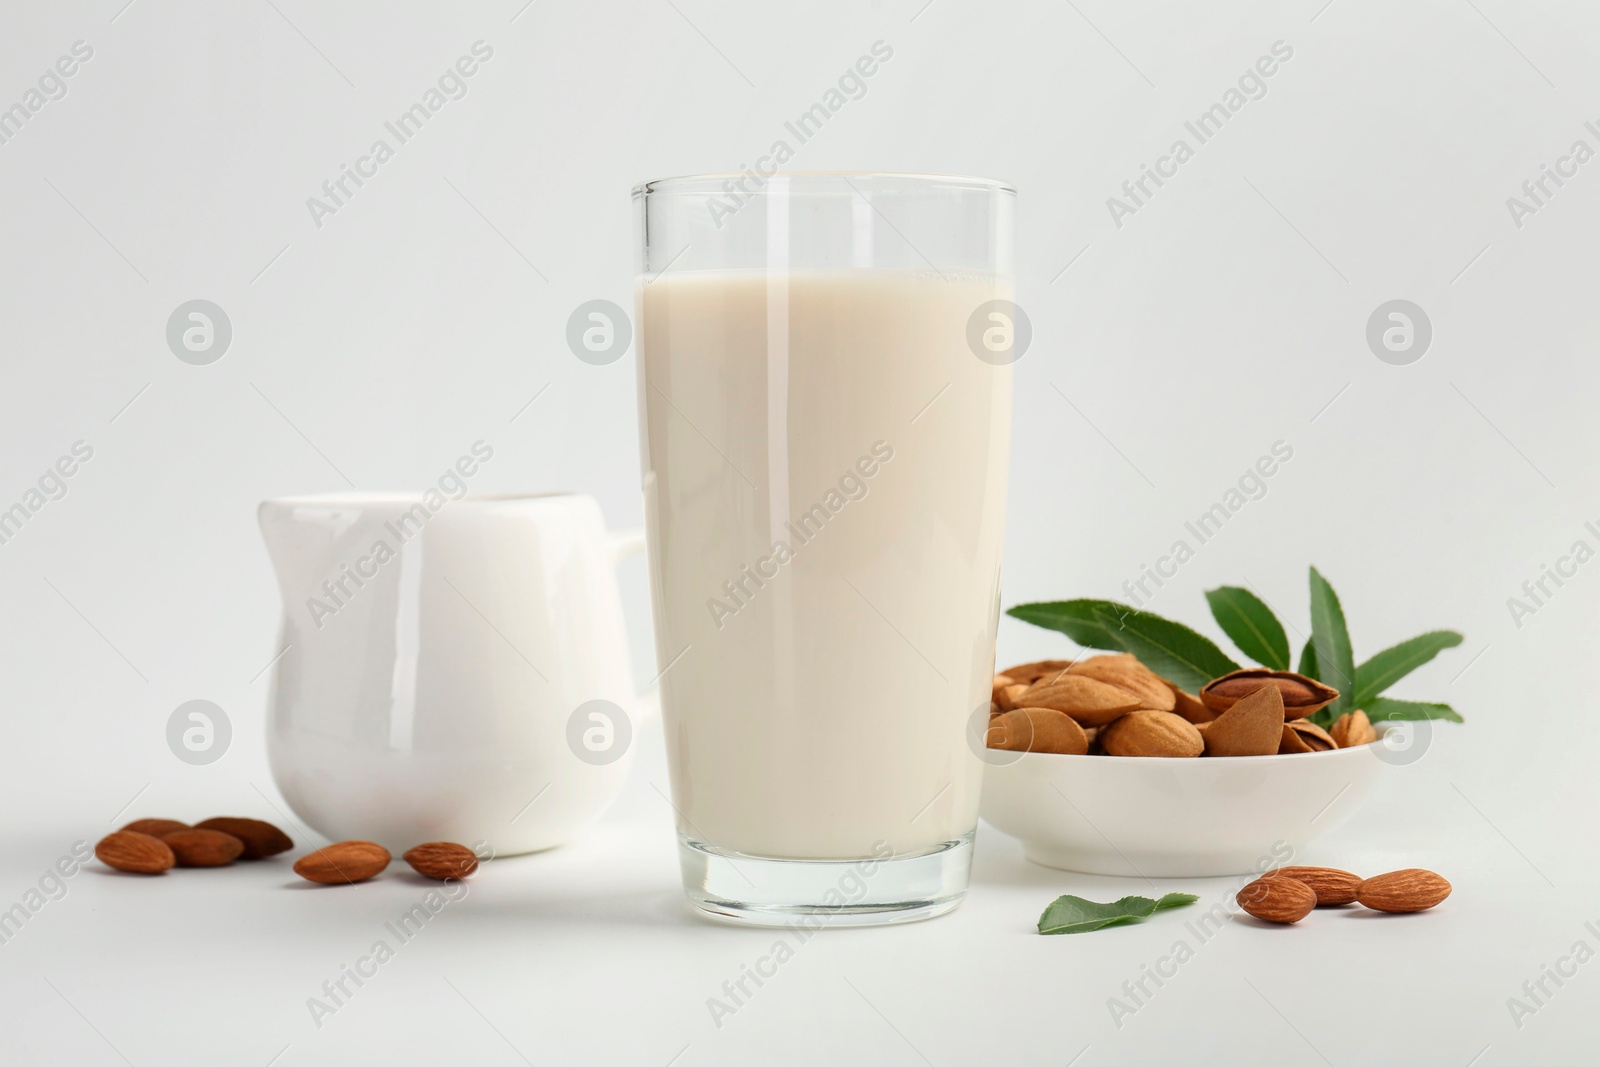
<point x="453" y="672"/>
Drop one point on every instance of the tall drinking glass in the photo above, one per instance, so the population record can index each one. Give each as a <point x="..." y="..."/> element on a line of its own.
<point x="825" y="394"/>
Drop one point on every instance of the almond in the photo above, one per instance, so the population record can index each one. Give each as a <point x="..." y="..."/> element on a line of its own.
<point x="1001" y="681"/>
<point x="1301" y="695"/>
<point x="1008" y="696"/>
<point x="1028" y="673"/>
<point x="203" y="848"/>
<point x="261" y="839"/>
<point x="1331" y="885"/>
<point x="1353" y="728"/>
<point x="443" y="860"/>
<point x="135" y="852"/>
<point x="155" y="827"/>
<point x="343" y="862"/>
<point x="1130" y="674"/>
<point x="1037" y="730"/>
<point x="1152" y="733"/>
<point x="1275" y="899"/>
<point x="1412" y="889"/>
<point x="1091" y="702"/>
<point x="1302" y="736"/>
<point x="1254" y="726"/>
<point x="1188" y="705"/>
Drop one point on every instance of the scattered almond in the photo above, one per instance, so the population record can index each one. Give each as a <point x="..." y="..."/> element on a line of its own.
<point x="344" y="862"/>
<point x="443" y="860"/>
<point x="1152" y="733"/>
<point x="1331" y="885"/>
<point x="203" y="848"/>
<point x="1276" y="899"/>
<point x="1412" y="889"/>
<point x="135" y="852"/>
<point x="1353" y="728"/>
<point x="261" y="839"/>
<point x="155" y="827"/>
<point x="1253" y="726"/>
<point x="1037" y="730"/>
<point x="1301" y="695"/>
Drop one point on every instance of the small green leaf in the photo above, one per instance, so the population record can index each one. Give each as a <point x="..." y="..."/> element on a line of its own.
<point x="1169" y="648"/>
<point x="1308" y="662"/>
<point x="1246" y="619"/>
<point x="1335" y="662"/>
<point x="1380" y="709"/>
<point x="1075" y="915"/>
<point x="1393" y="664"/>
<point x="1078" y="619"/>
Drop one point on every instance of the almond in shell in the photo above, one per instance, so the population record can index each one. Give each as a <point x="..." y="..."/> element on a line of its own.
<point x="1153" y="693"/>
<point x="1353" y="728"/>
<point x="1152" y="733"/>
<point x="134" y="852"/>
<point x="1037" y="730"/>
<point x="1028" y="673"/>
<point x="1301" y="695"/>
<point x="1188" y="705"/>
<point x="1300" y="735"/>
<point x="1090" y="702"/>
<point x="1254" y="726"/>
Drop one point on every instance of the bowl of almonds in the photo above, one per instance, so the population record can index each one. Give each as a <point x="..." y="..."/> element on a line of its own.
<point x="1164" y="757"/>
<point x="1100" y="765"/>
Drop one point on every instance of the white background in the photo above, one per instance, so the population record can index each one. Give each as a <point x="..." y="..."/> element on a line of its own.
<point x="1169" y="354"/>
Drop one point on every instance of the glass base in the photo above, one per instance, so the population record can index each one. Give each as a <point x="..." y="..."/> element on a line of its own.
<point x="875" y="891"/>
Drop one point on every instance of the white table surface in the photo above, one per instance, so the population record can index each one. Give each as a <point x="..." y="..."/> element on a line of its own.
<point x="589" y="954"/>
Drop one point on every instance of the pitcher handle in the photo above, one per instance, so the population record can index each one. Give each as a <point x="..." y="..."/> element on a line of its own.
<point x="623" y="545"/>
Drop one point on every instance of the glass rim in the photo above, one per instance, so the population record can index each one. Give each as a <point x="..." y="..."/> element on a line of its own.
<point x="714" y="181"/>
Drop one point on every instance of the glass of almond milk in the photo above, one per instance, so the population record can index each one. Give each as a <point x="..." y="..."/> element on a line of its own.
<point x="825" y="396"/>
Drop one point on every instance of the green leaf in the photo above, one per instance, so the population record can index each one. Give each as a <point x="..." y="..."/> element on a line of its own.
<point x="1246" y="619"/>
<point x="1393" y="664"/>
<point x="1075" y="915"/>
<point x="1308" y="662"/>
<point x="1335" y="662"/>
<point x="1078" y="619"/>
<point x="1380" y="709"/>
<point x="1169" y="648"/>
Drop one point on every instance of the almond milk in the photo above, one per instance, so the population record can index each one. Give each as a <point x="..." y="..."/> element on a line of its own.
<point x="825" y="478"/>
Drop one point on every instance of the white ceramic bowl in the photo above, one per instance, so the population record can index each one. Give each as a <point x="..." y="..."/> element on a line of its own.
<point x="1174" y="818"/>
